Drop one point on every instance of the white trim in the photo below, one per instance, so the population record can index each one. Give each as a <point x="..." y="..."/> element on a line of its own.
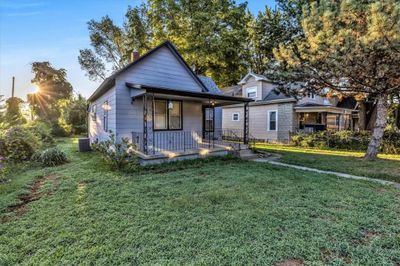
<point x="250" y="74"/>
<point x="276" y="121"/>
<point x="238" y="115"/>
<point x="255" y="88"/>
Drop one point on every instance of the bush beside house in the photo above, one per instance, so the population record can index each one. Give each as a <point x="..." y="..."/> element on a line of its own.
<point x="347" y="140"/>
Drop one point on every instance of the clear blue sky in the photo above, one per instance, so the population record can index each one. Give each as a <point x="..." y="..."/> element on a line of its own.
<point x="49" y="30"/>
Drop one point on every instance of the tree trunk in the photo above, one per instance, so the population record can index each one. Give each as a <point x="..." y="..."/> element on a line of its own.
<point x="362" y="115"/>
<point x="380" y="124"/>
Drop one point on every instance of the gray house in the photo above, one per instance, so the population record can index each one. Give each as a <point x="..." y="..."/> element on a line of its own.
<point x="274" y="115"/>
<point x="166" y="110"/>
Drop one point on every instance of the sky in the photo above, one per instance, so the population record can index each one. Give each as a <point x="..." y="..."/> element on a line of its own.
<point x="55" y="31"/>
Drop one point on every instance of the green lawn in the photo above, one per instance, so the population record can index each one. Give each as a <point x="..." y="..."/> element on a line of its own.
<point x="386" y="167"/>
<point x="218" y="211"/>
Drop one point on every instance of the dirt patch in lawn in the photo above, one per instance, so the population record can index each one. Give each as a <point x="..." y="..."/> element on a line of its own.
<point x="35" y="192"/>
<point x="292" y="262"/>
<point x="367" y="237"/>
<point x="329" y="255"/>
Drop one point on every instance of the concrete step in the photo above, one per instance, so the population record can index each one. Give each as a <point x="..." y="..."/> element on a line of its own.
<point x="248" y="154"/>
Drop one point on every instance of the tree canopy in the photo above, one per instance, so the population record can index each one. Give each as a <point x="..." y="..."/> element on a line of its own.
<point x="52" y="86"/>
<point x="349" y="48"/>
<point x="211" y="35"/>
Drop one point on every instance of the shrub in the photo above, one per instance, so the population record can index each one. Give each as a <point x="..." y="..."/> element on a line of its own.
<point x="118" y="155"/>
<point x="391" y="142"/>
<point x="18" y="144"/>
<point x="3" y="169"/>
<point x="52" y="157"/>
<point x="42" y="130"/>
<point x="347" y="140"/>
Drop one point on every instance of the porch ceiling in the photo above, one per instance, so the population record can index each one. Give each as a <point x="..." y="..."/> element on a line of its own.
<point x="205" y="97"/>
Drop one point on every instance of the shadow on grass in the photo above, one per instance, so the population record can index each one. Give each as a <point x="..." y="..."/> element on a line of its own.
<point x="387" y="167"/>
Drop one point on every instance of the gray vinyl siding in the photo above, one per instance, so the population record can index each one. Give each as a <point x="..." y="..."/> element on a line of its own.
<point x="227" y="122"/>
<point x="129" y="114"/>
<point x="258" y="121"/>
<point x="253" y="83"/>
<point x="96" y="128"/>
<point x="266" y="88"/>
<point x="161" y="69"/>
<point x="317" y="100"/>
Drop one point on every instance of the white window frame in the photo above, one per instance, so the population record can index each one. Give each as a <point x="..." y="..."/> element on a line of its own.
<point x="311" y="95"/>
<point x="268" y="120"/>
<point x="233" y="117"/>
<point x="251" y="88"/>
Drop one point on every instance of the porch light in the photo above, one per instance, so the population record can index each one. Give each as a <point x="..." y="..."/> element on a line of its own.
<point x="106" y="107"/>
<point x="170" y="105"/>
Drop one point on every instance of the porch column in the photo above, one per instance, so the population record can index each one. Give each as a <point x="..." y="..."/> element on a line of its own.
<point x="145" y="134"/>
<point x="246" y="124"/>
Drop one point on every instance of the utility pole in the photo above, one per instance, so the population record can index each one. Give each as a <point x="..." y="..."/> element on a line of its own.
<point x="13" y="88"/>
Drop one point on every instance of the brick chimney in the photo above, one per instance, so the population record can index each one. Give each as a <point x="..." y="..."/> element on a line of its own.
<point x="134" y="56"/>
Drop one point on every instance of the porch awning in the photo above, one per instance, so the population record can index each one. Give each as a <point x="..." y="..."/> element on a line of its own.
<point x="322" y="109"/>
<point x="222" y="99"/>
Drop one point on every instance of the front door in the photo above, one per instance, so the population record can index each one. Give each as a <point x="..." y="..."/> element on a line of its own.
<point x="208" y="120"/>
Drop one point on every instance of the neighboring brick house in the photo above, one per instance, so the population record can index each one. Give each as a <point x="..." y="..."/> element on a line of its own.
<point x="273" y="115"/>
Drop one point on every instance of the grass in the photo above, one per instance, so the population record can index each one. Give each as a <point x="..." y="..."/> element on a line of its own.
<point x="387" y="167"/>
<point x="216" y="211"/>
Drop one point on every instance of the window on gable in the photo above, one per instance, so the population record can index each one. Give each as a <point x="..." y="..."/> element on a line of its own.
<point x="235" y="117"/>
<point x="311" y="95"/>
<point x="251" y="92"/>
<point x="272" y="120"/>
<point x="167" y="115"/>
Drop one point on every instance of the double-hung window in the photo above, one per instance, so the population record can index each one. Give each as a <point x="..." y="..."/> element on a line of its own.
<point x="167" y="115"/>
<point x="105" y="116"/>
<point x="251" y="92"/>
<point x="235" y="117"/>
<point x="272" y="120"/>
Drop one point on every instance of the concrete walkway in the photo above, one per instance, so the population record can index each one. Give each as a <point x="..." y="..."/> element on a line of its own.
<point x="383" y="182"/>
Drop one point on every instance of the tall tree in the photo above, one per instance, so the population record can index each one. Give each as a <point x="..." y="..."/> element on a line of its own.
<point x="350" y="47"/>
<point x="267" y="30"/>
<point x="52" y="86"/>
<point x="73" y="116"/>
<point x="211" y="35"/>
<point x="112" y="45"/>
<point x="13" y="114"/>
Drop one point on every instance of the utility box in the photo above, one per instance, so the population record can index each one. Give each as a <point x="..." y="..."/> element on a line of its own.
<point x="84" y="145"/>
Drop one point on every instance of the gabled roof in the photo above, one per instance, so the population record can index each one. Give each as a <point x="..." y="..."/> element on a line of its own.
<point x="255" y="76"/>
<point x="276" y="95"/>
<point x="210" y="84"/>
<point x="109" y="82"/>
<point x="235" y="90"/>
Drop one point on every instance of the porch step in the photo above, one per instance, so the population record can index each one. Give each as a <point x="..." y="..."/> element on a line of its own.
<point x="247" y="154"/>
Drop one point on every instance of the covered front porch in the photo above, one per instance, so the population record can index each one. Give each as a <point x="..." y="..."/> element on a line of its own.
<point x="179" y="123"/>
<point x="320" y="118"/>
